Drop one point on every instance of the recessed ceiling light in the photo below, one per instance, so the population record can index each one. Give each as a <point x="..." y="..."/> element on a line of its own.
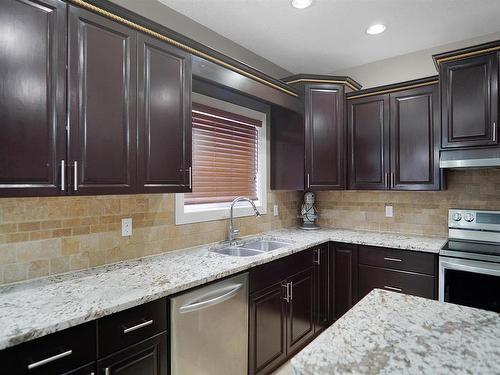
<point x="376" y="29"/>
<point x="301" y="4"/>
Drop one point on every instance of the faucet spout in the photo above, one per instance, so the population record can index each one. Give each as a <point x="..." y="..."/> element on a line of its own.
<point x="231" y="232"/>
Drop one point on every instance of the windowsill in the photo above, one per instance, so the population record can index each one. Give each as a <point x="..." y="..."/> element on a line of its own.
<point x="192" y="215"/>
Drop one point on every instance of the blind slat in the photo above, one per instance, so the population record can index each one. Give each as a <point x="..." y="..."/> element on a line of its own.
<point x="225" y="156"/>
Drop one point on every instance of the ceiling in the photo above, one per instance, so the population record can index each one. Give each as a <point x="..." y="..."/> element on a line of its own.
<point x="330" y="35"/>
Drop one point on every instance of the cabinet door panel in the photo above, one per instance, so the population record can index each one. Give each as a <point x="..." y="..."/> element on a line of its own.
<point x="323" y="288"/>
<point x="164" y="116"/>
<point x="415" y="139"/>
<point x="32" y="97"/>
<point x="325" y="137"/>
<point x="102" y="72"/>
<point x="301" y="309"/>
<point x="267" y="346"/>
<point x="368" y="125"/>
<point x="470" y="101"/>
<point x="148" y="357"/>
<point x="346" y="278"/>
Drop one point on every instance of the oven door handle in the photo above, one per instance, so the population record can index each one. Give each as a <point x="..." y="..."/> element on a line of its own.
<point x="466" y="265"/>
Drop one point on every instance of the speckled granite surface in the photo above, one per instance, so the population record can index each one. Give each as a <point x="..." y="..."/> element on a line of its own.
<point x="37" y="308"/>
<point x="391" y="333"/>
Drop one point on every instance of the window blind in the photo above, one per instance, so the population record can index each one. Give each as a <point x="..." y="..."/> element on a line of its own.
<point x="225" y="156"/>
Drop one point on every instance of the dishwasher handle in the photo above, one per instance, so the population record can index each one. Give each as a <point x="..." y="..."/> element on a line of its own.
<point x="227" y="293"/>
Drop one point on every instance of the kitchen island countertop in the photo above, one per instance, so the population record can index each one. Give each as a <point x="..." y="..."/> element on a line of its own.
<point x="391" y="333"/>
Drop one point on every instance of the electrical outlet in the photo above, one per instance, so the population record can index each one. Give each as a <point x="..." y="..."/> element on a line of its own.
<point x="275" y="210"/>
<point x="389" y="211"/>
<point x="127" y="227"/>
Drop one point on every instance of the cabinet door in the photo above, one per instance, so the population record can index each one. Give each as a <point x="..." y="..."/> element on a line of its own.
<point x="368" y="127"/>
<point x="164" y="117"/>
<point x="323" y="289"/>
<point x="415" y="139"/>
<point x="267" y="324"/>
<point x="149" y="357"/>
<point x="102" y="105"/>
<point x="325" y="137"/>
<point x="300" y="309"/>
<point x="345" y="278"/>
<point x="32" y="97"/>
<point x="469" y="90"/>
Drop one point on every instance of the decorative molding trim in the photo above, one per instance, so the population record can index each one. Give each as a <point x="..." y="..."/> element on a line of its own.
<point x="306" y="80"/>
<point x="394" y="89"/>
<point x="467" y="54"/>
<point x="145" y="30"/>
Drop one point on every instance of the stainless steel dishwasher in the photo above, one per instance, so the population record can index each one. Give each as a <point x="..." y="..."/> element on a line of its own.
<point x="209" y="329"/>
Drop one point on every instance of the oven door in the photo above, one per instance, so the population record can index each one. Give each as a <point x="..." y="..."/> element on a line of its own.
<point x="470" y="283"/>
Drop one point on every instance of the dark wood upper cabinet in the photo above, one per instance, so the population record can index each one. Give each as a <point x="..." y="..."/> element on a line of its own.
<point x="368" y="128"/>
<point x="325" y="137"/>
<point x="32" y="97"/>
<point x="102" y="105"/>
<point x="164" y="117"/>
<point x="469" y="104"/>
<point x="345" y="277"/>
<point x="415" y="135"/>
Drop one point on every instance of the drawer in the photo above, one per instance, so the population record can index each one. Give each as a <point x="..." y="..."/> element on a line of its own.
<point x="58" y="353"/>
<point x="404" y="260"/>
<point x="128" y="327"/>
<point x="397" y="281"/>
<point x="270" y="273"/>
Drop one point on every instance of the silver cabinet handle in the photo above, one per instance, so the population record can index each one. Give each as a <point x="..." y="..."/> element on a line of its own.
<point x="33" y="365"/>
<point x="393" y="179"/>
<point x="138" y="326"/>
<point x="291" y="290"/>
<point x="317" y="254"/>
<point x="387" y="180"/>
<point x="107" y="371"/>
<point x="190" y="177"/>
<point x="75" y="164"/>
<point x="393" y="288"/>
<point x="393" y="259"/>
<point x="63" y="174"/>
<point x="308" y="181"/>
<point x="494" y="131"/>
<point x="287" y="291"/>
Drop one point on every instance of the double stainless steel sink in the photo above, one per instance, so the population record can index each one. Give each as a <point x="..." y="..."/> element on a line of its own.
<point x="251" y="248"/>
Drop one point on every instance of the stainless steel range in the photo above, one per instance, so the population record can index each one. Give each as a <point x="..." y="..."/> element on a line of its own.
<point x="469" y="263"/>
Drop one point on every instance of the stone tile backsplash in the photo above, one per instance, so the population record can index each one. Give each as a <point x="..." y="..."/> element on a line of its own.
<point x="47" y="236"/>
<point x="424" y="213"/>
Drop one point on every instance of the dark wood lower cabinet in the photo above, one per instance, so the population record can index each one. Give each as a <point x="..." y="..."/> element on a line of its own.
<point x="300" y="310"/>
<point x="324" y="288"/>
<point x="267" y="344"/>
<point x="146" y="358"/>
<point x="345" y="279"/>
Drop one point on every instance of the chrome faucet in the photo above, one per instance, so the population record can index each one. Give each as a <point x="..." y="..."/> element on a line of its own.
<point x="231" y="232"/>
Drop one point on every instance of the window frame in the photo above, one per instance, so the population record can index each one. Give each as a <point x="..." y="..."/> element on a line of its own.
<point x="197" y="213"/>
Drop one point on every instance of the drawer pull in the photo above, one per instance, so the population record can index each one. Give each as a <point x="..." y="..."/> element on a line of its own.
<point x="393" y="288"/>
<point x="393" y="259"/>
<point x="138" y="326"/>
<point x="31" y="366"/>
<point x="107" y="371"/>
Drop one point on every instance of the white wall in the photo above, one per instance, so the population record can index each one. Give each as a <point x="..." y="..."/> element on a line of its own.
<point x="406" y="67"/>
<point x="176" y="21"/>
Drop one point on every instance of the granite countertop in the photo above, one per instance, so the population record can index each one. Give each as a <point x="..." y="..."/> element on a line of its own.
<point x="36" y="308"/>
<point x="391" y="333"/>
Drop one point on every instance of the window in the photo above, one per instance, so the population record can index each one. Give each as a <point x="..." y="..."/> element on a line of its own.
<point x="229" y="160"/>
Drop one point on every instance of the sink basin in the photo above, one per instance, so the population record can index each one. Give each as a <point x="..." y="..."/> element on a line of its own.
<point x="264" y="245"/>
<point x="237" y="251"/>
